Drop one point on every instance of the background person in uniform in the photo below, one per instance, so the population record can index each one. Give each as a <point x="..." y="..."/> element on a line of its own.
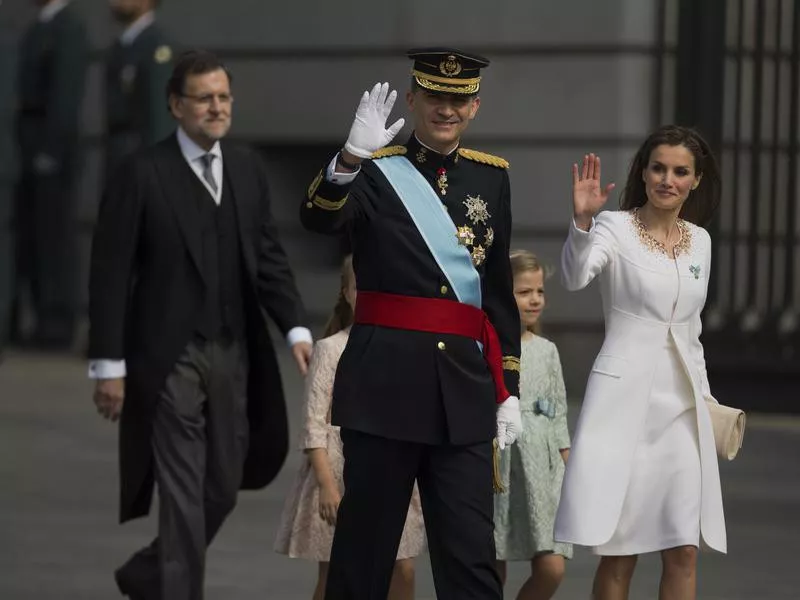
<point x="137" y="70"/>
<point x="52" y="67"/>
<point x="413" y="403"/>
<point x="185" y="259"/>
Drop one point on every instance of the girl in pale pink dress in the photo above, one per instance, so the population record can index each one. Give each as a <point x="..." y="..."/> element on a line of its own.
<point x="309" y="515"/>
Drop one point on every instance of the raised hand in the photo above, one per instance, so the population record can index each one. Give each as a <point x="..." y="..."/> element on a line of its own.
<point x="368" y="132"/>
<point x="588" y="197"/>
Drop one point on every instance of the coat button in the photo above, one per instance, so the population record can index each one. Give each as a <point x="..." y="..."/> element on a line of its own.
<point x="309" y="205"/>
<point x="443" y="290"/>
<point x="440" y="345"/>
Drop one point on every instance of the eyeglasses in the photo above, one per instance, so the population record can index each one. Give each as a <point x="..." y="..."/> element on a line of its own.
<point x="208" y="99"/>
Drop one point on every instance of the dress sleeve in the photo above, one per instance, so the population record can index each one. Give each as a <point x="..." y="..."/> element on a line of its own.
<point x="318" y="395"/>
<point x="586" y="253"/>
<point x="696" y="348"/>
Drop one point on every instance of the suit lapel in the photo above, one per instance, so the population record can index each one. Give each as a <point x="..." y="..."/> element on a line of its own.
<point x="175" y="178"/>
<point x="244" y="197"/>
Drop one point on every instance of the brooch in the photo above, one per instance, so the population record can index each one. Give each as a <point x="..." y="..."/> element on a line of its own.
<point x="695" y="270"/>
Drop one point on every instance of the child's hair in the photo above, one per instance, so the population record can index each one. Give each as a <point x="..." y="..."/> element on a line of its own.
<point x="342" y="316"/>
<point x="522" y="261"/>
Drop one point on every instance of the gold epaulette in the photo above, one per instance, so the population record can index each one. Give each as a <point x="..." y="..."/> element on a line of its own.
<point x="482" y="157"/>
<point x="389" y="151"/>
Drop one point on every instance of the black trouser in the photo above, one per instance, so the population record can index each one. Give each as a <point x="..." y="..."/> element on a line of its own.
<point x="199" y="443"/>
<point x="455" y="484"/>
<point x="46" y="252"/>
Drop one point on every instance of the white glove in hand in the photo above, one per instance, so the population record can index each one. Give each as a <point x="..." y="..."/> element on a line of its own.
<point x="368" y="132"/>
<point x="509" y="422"/>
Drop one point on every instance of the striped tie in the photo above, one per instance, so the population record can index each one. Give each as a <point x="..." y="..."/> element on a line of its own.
<point x="208" y="175"/>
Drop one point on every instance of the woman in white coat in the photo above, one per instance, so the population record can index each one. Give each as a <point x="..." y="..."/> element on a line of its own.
<point x="643" y="475"/>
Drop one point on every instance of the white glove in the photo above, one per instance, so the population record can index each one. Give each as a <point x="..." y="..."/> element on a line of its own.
<point x="368" y="132"/>
<point x="509" y="422"/>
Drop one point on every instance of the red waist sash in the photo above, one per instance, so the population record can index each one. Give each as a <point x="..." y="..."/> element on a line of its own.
<point x="435" y="315"/>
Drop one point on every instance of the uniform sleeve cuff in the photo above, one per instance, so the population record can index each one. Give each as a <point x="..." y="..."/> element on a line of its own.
<point x="339" y="178"/>
<point x="107" y="369"/>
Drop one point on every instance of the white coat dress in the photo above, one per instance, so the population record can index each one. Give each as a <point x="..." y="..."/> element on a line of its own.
<point x="642" y="475"/>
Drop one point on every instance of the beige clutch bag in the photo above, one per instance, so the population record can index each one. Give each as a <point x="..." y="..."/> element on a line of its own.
<point x="728" y="424"/>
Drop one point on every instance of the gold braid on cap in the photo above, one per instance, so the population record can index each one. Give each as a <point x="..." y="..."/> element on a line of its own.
<point x="447" y="85"/>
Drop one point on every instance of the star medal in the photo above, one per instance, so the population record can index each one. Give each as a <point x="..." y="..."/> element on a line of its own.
<point x="478" y="255"/>
<point x="465" y="235"/>
<point x="476" y="209"/>
<point x="441" y="180"/>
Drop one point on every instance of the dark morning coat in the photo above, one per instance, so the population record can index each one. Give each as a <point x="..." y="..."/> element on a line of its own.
<point x="146" y="294"/>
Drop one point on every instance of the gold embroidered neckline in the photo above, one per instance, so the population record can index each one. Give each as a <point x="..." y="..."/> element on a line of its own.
<point x="652" y="244"/>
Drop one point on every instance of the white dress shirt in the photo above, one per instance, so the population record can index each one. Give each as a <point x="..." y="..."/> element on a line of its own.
<point x="193" y="154"/>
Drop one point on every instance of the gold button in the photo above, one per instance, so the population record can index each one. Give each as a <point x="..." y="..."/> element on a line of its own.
<point x="440" y="345"/>
<point x="443" y="289"/>
<point x="309" y="205"/>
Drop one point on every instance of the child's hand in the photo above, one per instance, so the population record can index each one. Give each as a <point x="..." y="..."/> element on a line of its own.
<point x="329" y="499"/>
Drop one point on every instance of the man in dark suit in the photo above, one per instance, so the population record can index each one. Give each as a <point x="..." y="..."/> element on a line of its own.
<point x="52" y="65"/>
<point x="137" y="70"/>
<point x="185" y="258"/>
<point x="430" y="224"/>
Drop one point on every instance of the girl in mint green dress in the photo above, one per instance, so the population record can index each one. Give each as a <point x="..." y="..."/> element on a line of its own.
<point x="532" y="469"/>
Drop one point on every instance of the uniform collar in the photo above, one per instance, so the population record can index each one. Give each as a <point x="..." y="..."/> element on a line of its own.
<point x="133" y="30"/>
<point x="424" y="157"/>
<point x="49" y="11"/>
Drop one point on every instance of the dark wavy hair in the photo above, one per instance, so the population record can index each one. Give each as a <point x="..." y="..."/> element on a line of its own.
<point x="193" y="62"/>
<point x="703" y="201"/>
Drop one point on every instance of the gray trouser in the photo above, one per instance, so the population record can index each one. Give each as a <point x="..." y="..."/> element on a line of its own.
<point x="199" y="444"/>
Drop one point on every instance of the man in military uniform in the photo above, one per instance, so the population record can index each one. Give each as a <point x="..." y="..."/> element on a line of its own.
<point x="430" y="374"/>
<point x="138" y="68"/>
<point x="52" y="66"/>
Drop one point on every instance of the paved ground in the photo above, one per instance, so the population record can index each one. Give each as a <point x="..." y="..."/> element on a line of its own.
<point x="59" y="537"/>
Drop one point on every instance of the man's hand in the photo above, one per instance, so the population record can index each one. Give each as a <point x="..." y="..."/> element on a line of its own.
<point x="109" y="395"/>
<point x="368" y="132"/>
<point x="509" y="422"/>
<point x="302" y="356"/>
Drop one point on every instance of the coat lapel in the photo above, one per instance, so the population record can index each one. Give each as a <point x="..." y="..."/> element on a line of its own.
<point x="244" y="196"/>
<point x="175" y="177"/>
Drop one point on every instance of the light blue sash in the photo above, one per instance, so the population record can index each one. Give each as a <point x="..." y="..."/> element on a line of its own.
<point x="435" y="226"/>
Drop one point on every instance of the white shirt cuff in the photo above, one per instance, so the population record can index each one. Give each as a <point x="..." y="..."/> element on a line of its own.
<point x="339" y="178"/>
<point x="299" y="334"/>
<point x="107" y="369"/>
